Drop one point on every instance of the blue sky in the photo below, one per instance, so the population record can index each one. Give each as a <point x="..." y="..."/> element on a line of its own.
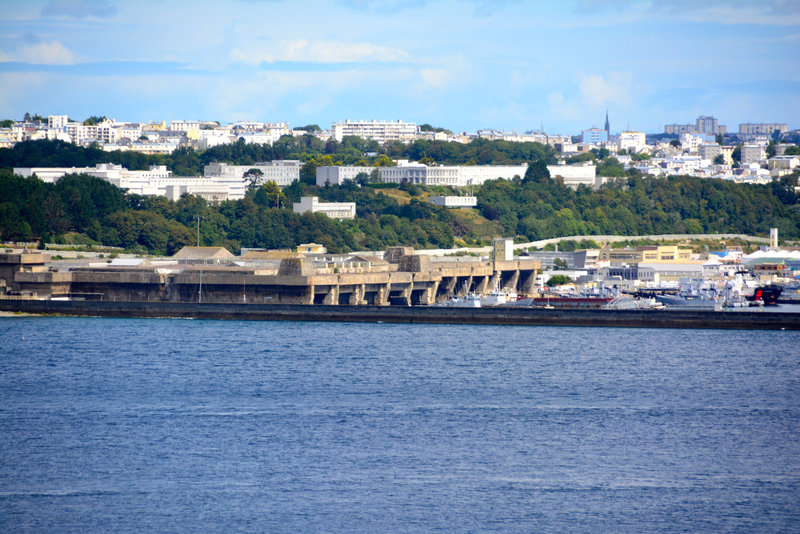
<point x="460" y="64"/>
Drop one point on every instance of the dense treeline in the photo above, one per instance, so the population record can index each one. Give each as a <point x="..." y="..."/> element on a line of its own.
<point x="533" y="207"/>
<point x="87" y="210"/>
<point x="186" y="161"/>
<point x="538" y="207"/>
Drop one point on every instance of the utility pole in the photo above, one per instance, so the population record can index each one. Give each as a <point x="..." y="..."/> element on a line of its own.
<point x="198" y="230"/>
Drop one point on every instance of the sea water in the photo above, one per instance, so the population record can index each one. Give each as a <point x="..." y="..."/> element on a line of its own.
<point x="158" y="425"/>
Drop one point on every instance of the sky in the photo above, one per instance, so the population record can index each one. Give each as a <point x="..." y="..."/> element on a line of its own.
<point x="464" y="65"/>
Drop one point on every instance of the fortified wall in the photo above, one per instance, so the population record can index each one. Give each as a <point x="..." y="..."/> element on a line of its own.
<point x="401" y="277"/>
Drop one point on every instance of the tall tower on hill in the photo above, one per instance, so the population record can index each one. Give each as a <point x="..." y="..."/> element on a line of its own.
<point x="608" y="128"/>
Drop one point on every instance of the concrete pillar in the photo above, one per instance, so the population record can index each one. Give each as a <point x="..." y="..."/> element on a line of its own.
<point x="332" y="296"/>
<point x="357" y="296"/>
<point x="464" y="287"/>
<point x="451" y="285"/>
<point x="495" y="280"/>
<point x="512" y="284"/>
<point x="429" y="296"/>
<point x="382" y="296"/>
<point x="482" y="285"/>
<point x="406" y="296"/>
<point x="308" y="295"/>
<point x="528" y="282"/>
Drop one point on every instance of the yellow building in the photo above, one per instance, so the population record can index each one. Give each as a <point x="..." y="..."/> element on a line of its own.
<point x="646" y="254"/>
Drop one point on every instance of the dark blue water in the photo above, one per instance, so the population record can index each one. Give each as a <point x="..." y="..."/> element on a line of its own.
<point x="179" y="425"/>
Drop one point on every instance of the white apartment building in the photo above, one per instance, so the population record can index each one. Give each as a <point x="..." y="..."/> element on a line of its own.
<point x="457" y="176"/>
<point x="57" y="121"/>
<point x="183" y="126"/>
<point x="692" y="141"/>
<point x="107" y="171"/>
<point x="282" y="172"/>
<point x="334" y="210"/>
<point x="210" y="138"/>
<point x="155" y="181"/>
<point x="338" y="175"/>
<point x="635" y="141"/>
<point x="454" y="201"/>
<point x="380" y="131"/>
<point x="578" y="174"/>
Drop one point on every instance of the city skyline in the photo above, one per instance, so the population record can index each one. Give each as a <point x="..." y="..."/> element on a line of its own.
<point x="463" y="65"/>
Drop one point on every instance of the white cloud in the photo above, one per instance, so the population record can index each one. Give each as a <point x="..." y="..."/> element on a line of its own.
<point x="446" y="71"/>
<point x="50" y="53"/>
<point x="597" y="91"/>
<point x="317" y="52"/>
<point x="79" y="9"/>
<point x="561" y="108"/>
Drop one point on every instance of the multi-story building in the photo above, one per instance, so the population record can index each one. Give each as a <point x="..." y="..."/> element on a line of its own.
<point x="708" y="125"/>
<point x="183" y="126"/>
<point x="334" y="210"/>
<point x="678" y="129"/>
<point x="380" y="131"/>
<point x="692" y="141"/>
<point x="338" y="175"/>
<point x="649" y="254"/>
<point x="57" y="121"/>
<point x="629" y="140"/>
<point x="575" y="175"/>
<point x="594" y="136"/>
<point x="458" y="176"/>
<point x="753" y="153"/>
<point x="709" y="150"/>
<point x="749" y="131"/>
<point x="282" y="172"/>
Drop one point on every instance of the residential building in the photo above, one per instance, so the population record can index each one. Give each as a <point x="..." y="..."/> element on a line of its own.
<point x="678" y="129"/>
<point x="334" y="210"/>
<point x="630" y="140"/>
<point x="691" y="141"/>
<point x="750" y="131"/>
<point x="57" y="121"/>
<point x="753" y="153"/>
<point x="594" y="136"/>
<point x="380" y="131"/>
<point x="183" y="126"/>
<point x="339" y="174"/>
<point x="708" y="125"/>
<point x="709" y="151"/>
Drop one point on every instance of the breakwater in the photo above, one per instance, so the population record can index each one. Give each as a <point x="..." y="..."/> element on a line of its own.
<point x="761" y="319"/>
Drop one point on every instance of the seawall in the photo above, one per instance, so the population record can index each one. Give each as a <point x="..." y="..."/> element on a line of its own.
<point x="748" y="320"/>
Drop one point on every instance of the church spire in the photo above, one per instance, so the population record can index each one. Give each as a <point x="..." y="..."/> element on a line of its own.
<point x="608" y="128"/>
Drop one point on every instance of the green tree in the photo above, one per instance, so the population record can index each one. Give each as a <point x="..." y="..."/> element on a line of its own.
<point x="675" y="143"/>
<point x="94" y="120"/>
<point x="8" y="123"/>
<point x="719" y="159"/>
<point x="736" y="155"/>
<point x="270" y="195"/>
<point x="559" y="280"/>
<point x="252" y="177"/>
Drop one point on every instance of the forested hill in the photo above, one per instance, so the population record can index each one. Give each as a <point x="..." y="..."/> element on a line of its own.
<point x="82" y="209"/>
<point x="312" y="151"/>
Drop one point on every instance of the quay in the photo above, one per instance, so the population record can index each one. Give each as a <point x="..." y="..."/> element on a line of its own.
<point x="511" y="315"/>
